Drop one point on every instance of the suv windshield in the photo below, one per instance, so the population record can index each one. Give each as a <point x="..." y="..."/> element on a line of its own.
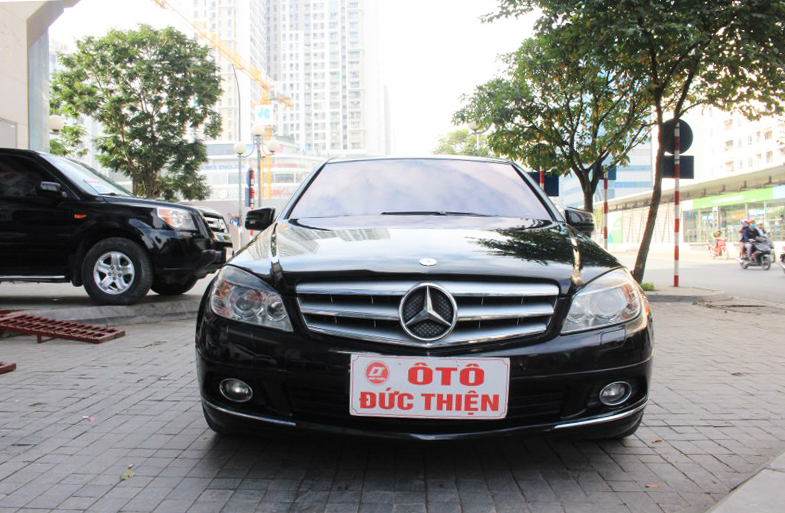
<point x="86" y="178"/>
<point x="419" y="187"/>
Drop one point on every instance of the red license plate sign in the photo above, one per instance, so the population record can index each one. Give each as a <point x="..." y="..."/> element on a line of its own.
<point x="429" y="388"/>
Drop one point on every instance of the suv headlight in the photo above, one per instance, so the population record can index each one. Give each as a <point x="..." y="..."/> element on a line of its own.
<point x="613" y="298"/>
<point x="241" y="296"/>
<point x="177" y="218"/>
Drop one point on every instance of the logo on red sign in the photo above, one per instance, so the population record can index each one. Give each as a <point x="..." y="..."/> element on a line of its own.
<point x="377" y="373"/>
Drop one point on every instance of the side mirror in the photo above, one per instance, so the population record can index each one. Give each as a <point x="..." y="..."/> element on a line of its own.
<point x="51" y="190"/>
<point x="580" y="220"/>
<point x="260" y="218"/>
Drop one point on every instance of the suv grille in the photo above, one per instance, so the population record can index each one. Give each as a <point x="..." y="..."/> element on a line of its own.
<point x="486" y="311"/>
<point x="219" y="228"/>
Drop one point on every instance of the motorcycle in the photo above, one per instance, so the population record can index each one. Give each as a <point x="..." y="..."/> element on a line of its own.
<point x="761" y="254"/>
<point x="718" y="248"/>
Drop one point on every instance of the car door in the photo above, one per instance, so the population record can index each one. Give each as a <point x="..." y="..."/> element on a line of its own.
<point x="36" y="229"/>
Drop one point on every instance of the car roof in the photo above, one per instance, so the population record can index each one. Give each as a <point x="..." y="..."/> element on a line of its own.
<point x="20" y="151"/>
<point x="420" y="157"/>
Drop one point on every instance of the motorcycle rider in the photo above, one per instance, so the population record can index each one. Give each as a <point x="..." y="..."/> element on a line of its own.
<point x="714" y="244"/>
<point x="742" y="230"/>
<point x="748" y="236"/>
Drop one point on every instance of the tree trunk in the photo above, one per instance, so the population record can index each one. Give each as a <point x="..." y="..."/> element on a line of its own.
<point x="651" y="220"/>
<point x="588" y="201"/>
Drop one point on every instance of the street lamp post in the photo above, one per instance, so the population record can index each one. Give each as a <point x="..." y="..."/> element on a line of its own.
<point x="262" y="150"/>
<point x="239" y="149"/>
<point x="257" y="131"/>
<point x="56" y="124"/>
<point x="474" y="127"/>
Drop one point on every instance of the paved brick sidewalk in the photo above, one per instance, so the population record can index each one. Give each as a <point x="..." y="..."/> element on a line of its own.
<point x="74" y="417"/>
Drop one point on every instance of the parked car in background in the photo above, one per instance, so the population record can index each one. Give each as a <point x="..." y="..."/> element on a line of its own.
<point x="423" y="298"/>
<point x="61" y="221"/>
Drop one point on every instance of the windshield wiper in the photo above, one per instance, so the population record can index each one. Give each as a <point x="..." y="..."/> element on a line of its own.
<point x="433" y="213"/>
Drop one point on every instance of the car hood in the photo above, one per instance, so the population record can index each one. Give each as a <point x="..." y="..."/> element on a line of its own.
<point x="387" y="247"/>
<point x="140" y="202"/>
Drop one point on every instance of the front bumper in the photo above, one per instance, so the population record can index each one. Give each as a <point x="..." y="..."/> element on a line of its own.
<point x="607" y="425"/>
<point x="183" y="257"/>
<point x="301" y="383"/>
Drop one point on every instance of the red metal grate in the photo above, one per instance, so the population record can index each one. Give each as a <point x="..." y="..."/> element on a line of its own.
<point x="42" y="327"/>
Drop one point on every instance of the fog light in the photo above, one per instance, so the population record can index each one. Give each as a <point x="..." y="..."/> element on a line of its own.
<point x="615" y="393"/>
<point x="235" y="390"/>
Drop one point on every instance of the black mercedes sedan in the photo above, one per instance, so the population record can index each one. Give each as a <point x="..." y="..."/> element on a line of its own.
<point x="424" y="298"/>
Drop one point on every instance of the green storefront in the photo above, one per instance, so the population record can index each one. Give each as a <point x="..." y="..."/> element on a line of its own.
<point x="702" y="216"/>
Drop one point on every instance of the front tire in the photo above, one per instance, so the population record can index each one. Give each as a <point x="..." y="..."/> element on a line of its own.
<point x="766" y="262"/>
<point x="173" y="289"/>
<point x="117" y="271"/>
<point x="724" y="253"/>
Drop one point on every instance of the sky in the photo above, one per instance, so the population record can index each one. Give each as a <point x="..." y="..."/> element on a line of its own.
<point x="432" y="52"/>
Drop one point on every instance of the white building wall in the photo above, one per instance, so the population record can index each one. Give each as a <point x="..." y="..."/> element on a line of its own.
<point x="13" y="72"/>
<point x="24" y="74"/>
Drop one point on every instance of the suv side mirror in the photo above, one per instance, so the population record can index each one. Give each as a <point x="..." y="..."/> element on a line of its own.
<point x="50" y="190"/>
<point x="580" y="220"/>
<point x="260" y="218"/>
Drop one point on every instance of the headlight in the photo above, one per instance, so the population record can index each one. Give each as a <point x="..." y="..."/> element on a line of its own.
<point x="240" y="296"/>
<point x="611" y="299"/>
<point x="177" y="218"/>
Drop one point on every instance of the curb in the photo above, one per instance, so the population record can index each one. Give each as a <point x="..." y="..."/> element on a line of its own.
<point x="687" y="295"/>
<point x="764" y="492"/>
<point x="122" y="315"/>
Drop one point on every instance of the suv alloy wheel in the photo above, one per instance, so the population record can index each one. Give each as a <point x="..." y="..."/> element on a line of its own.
<point x="117" y="271"/>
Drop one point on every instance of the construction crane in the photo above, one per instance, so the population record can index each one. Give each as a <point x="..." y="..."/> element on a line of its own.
<point x="228" y="53"/>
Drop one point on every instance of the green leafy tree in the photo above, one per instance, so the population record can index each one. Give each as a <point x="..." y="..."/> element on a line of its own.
<point x="69" y="142"/>
<point x="152" y="91"/>
<point x="730" y="55"/>
<point x="463" y="142"/>
<point x="555" y="108"/>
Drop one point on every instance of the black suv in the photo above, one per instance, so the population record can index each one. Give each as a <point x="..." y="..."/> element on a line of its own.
<point x="424" y="298"/>
<point x="61" y="221"/>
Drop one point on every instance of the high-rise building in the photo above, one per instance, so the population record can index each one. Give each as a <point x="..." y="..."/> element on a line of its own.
<point x="730" y="144"/>
<point x="324" y="55"/>
<point x="240" y="25"/>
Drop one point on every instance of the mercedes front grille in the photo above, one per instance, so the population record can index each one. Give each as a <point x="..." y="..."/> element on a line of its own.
<point x="486" y="311"/>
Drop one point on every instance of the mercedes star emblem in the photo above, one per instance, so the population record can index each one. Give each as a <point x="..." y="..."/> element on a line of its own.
<point x="428" y="312"/>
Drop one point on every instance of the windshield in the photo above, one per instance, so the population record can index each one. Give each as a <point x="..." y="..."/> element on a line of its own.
<point x="419" y="187"/>
<point x="86" y="178"/>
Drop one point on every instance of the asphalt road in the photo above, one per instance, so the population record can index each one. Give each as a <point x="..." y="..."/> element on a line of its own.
<point x="697" y="269"/>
